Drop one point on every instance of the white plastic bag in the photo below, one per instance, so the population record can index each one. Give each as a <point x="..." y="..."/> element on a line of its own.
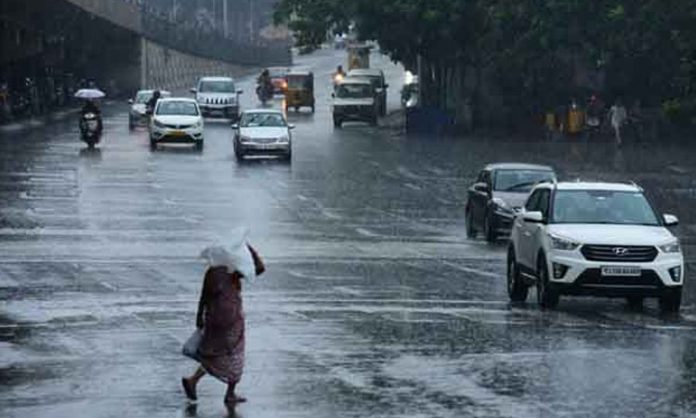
<point x="190" y="348"/>
<point x="235" y="255"/>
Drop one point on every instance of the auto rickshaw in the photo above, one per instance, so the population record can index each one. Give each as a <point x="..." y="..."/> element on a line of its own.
<point x="358" y="56"/>
<point x="300" y="90"/>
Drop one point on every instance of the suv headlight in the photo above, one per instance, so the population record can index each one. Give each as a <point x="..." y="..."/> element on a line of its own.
<point x="198" y="124"/>
<point x="158" y="124"/>
<point x="561" y="243"/>
<point x="243" y="138"/>
<point x="284" y="139"/>
<point x="671" y="248"/>
<point x="500" y="205"/>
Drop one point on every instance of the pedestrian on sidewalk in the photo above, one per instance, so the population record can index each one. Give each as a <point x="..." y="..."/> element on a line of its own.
<point x="618" y="116"/>
<point x="220" y="318"/>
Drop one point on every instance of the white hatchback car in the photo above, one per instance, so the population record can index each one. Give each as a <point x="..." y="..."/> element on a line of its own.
<point x="596" y="239"/>
<point x="176" y="120"/>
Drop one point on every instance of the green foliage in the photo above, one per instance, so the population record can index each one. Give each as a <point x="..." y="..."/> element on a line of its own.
<point x="536" y="53"/>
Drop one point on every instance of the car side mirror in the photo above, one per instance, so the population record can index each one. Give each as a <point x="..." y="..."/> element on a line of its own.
<point x="534" y="217"/>
<point x="291" y="127"/>
<point x="386" y="85"/>
<point x="670" y="220"/>
<point x="333" y="95"/>
<point x="193" y="90"/>
<point x="481" y="187"/>
<point x="235" y="126"/>
<point x="130" y="101"/>
<point x="240" y="91"/>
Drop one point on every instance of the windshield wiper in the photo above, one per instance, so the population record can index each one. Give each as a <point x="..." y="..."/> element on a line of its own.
<point x="517" y="186"/>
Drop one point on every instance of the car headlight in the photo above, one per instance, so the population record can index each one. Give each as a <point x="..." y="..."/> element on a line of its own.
<point x="561" y="243"/>
<point x="501" y="206"/>
<point x="158" y="124"/>
<point x="284" y="139"/>
<point x="671" y="248"/>
<point x="198" y="124"/>
<point x="244" y="139"/>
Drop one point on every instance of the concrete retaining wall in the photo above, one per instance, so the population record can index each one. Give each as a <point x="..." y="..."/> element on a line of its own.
<point x="168" y="69"/>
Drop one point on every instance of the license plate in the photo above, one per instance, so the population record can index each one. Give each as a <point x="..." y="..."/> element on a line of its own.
<point x="621" y="271"/>
<point x="178" y="133"/>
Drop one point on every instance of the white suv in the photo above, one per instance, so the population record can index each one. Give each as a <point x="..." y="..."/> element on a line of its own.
<point x="218" y="96"/>
<point x="596" y="239"/>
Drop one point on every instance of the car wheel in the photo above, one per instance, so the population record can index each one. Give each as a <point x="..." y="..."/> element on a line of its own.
<point x="670" y="301"/>
<point x="373" y="121"/>
<point x="547" y="296"/>
<point x="153" y="143"/>
<point x="488" y="229"/>
<point x="337" y="123"/>
<point x="239" y="156"/>
<point x="635" y="303"/>
<point x="131" y="124"/>
<point x="312" y="107"/>
<point x="199" y="145"/>
<point x="471" y="231"/>
<point x="517" y="289"/>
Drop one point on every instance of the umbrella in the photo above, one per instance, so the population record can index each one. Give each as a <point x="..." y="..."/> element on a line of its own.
<point x="89" y="94"/>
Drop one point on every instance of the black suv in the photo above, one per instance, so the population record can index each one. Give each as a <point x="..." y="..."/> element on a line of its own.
<point x="498" y="193"/>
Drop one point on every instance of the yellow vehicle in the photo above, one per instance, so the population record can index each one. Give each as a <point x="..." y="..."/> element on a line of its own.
<point x="300" y="90"/>
<point x="358" y="56"/>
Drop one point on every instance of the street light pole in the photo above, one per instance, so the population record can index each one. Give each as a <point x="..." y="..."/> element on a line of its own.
<point x="224" y="19"/>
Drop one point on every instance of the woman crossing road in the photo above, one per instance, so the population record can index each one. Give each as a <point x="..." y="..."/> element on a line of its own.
<point x="220" y="319"/>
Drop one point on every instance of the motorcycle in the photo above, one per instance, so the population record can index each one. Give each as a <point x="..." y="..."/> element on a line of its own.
<point x="90" y="130"/>
<point x="264" y="93"/>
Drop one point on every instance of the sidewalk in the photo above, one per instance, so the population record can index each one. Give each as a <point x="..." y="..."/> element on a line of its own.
<point x="36" y="122"/>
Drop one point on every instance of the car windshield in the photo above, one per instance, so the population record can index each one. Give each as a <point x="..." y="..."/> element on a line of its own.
<point x="520" y="181"/>
<point x="143" y="97"/>
<point x="253" y="120"/>
<point x="177" y="108"/>
<point x="216" y="86"/>
<point x="603" y="207"/>
<point x="278" y="72"/>
<point x="348" y="91"/>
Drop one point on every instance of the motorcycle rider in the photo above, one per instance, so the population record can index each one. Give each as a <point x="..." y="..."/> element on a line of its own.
<point x="150" y="106"/>
<point x="338" y="75"/>
<point x="90" y="106"/>
<point x="265" y="85"/>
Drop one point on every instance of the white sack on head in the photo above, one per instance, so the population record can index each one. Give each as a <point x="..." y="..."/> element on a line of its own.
<point x="235" y="256"/>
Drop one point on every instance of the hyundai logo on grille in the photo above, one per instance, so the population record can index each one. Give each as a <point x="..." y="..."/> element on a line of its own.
<point x="620" y="251"/>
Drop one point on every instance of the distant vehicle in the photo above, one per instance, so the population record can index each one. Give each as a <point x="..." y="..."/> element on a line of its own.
<point x="354" y="100"/>
<point x="596" y="239"/>
<point x="340" y="41"/>
<point x="410" y="91"/>
<point x="300" y="90"/>
<point x="279" y="79"/>
<point x="176" y="120"/>
<point x="498" y="194"/>
<point x="262" y="132"/>
<point x="138" y="112"/>
<point x="379" y="84"/>
<point x="218" y="96"/>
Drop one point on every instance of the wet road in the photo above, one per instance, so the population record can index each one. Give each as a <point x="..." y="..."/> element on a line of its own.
<point x="374" y="304"/>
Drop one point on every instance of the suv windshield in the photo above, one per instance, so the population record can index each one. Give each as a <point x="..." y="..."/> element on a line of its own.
<point x="252" y="120"/>
<point x="520" y="181"/>
<point x="603" y="207"/>
<point x="216" y="86"/>
<point x="354" y="91"/>
<point x="177" y="108"/>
